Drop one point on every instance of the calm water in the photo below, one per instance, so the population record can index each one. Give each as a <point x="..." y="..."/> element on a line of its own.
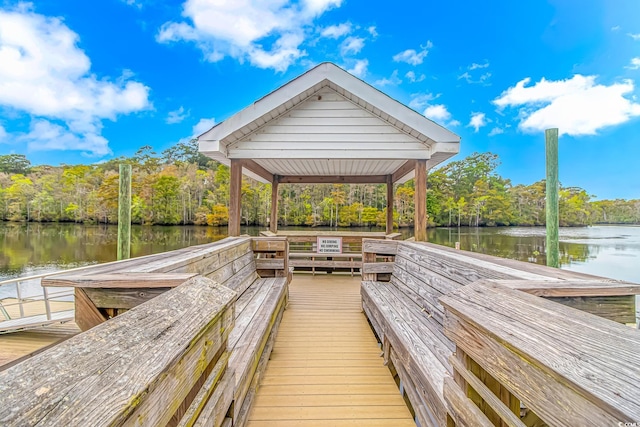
<point x="26" y="249"/>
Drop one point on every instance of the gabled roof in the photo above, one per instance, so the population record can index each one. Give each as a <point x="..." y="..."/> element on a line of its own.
<point x="327" y="122"/>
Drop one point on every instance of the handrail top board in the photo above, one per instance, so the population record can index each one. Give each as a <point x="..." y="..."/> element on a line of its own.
<point x="148" y="264"/>
<point x="593" y="355"/>
<point x="101" y="376"/>
<point x="331" y="233"/>
<point x="569" y="288"/>
<point x="119" y="280"/>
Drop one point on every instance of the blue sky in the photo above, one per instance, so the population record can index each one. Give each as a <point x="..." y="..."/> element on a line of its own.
<point x="84" y="81"/>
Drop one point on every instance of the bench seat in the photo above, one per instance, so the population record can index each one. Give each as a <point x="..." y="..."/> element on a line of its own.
<point x="418" y="342"/>
<point x="258" y="313"/>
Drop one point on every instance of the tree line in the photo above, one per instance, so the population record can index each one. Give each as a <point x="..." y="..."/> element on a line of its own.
<point x="181" y="186"/>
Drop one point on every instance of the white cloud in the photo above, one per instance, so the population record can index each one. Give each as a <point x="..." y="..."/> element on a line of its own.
<point x="577" y="106"/>
<point x="419" y="101"/>
<point x="496" y="131"/>
<point x="3" y="133"/>
<point x="177" y="116"/>
<point x="202" y="126"/>
<point x="634" y="36"/>
<point x="393" y="80"/>
<point x="359" y="69"/>
<point x="411" y="56"/>
<point x="615" y="28"/>
<point x="635" y="63"/>
<point x="475" y="66"/>
<point x="483" y="78"/>
<point x="67" y="103"/>
<point x="336" y="31"/>
<point x="244" y="29"/>
<point x="438" y="113"/>
<point x="135" y="3"/>
<point x="411" y="76"/>
<point x="477" y="121"/>
<point x="372" y="30"/>
<point x="351" y="46"/>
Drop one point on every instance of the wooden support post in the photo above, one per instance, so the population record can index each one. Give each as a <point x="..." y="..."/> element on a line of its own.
<point x="420" y="201"/>
<point x="551" y="136"/>
<point x="124" y="213"/>
<point x="389" y="204"/>
<point x="273" y="222"/>
<point x="235" y="197"/>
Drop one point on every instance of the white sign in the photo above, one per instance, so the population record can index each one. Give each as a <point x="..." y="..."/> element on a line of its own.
<point x="329" y="245"/>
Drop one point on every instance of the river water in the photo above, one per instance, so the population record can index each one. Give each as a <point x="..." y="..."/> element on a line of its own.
<point x="26" y="249"/>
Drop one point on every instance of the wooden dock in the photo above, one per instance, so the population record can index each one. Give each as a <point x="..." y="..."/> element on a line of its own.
<point x="200" y="336"/>
<point x="325" y="368"/>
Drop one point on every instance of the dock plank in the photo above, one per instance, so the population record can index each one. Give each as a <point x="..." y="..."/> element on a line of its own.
<point x="325" y="368"/>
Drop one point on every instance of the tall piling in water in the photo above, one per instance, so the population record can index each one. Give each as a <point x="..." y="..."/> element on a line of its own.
<point x="552" y="207"/>
<point x="124" y="213"/>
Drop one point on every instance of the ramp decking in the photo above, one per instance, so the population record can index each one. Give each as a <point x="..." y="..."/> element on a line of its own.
<point x="326" y="369"/>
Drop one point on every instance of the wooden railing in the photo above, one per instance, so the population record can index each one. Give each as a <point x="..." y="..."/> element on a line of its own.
<point x="159" y="363"/>
<point x="377" y="259"/>
<point x="304" y="254"/>
<point x="523" y="361"/>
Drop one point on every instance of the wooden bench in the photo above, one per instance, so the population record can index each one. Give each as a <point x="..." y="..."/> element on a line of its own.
<point x="256" y="269"/>
<point x="407" y="316"/>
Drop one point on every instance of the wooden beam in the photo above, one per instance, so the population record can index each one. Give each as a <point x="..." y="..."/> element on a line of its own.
<point x="273" y="222"/>
<point x="333" y="179"/>
<point x="403" y="170"/>
<point x="235" y="197"/>
<point x="257" y="169"/>
<point x="389" y="204"/>
<point x="420" y="200"/>
<point x="87" y="314"/>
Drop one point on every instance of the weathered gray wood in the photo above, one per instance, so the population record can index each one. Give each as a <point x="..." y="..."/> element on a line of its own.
<point x="427" y="371"/>
<point x="422" y="411"/>
<point x="573" y="288"/>
<point x="380" y="247"/>
<point x="377" y="267"/>
<point x="212" y="383"/>
<point x="569" y="367"/>
<point x="510" y="418"/>
<point x="250" y="347"/>
<point x="119" y="280"/>
<point x="87" y="314"/>
<point x="124" y="213"/>
<point x="270" y="244"/>
<point x="463" y="411"/>
<point x="269" y="264"/>
<point x="215" y="411"/>
<point x="541" y="270"/>
<point x="122" y="298"/>
<point x="245" y="409"/>
<point x="325" y="264"/>
<point x="157" y="347"/>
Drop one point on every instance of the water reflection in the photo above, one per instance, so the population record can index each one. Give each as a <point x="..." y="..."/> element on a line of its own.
<point x="34" y="248"/>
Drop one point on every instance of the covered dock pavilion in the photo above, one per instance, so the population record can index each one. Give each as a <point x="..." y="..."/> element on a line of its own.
<point x="328" y="126"/>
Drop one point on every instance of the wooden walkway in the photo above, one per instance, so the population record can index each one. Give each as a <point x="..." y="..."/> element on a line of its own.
<point x="326" y="369"/>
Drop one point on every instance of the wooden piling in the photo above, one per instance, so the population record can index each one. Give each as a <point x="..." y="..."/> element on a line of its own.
<point x="124" y="213"/>
<point x="551" y="136"/>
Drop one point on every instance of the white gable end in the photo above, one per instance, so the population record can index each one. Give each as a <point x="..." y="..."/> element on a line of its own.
<point x="328" y="123"/>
